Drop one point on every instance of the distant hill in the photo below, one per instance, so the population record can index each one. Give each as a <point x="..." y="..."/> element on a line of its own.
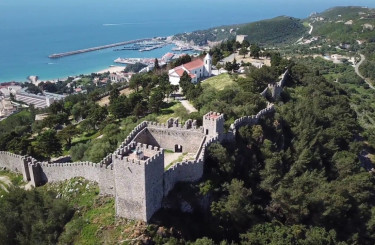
<point x="279" y="30"/>
<point x="345" y="24"/>
<point x="276" y="31"/>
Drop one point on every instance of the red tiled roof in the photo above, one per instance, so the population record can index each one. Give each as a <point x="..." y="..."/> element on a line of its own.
<point x="213" y="116"/>
<point x="194" y="64"/>
<point x="179" y="70"/>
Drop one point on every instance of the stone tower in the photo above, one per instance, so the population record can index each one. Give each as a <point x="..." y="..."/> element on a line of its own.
<point x="213" y="124"/>
<point x="139" y="172"/>
<point x="207" y="65"/>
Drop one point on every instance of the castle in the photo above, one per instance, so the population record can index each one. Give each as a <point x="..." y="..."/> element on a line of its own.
<point x="137" y="174"/>
<point x="196" y="69"/>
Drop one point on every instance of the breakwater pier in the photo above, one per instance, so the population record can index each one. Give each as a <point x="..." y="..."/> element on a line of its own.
<point x="59" y="55"/>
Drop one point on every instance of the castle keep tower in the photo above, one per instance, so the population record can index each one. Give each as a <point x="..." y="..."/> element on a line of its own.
<point x="139" y="172"/>
<point x="213" y="124"/>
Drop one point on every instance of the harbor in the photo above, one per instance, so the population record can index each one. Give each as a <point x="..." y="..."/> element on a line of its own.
<point x="144" y="46"/>
<point x="60" y="55"/>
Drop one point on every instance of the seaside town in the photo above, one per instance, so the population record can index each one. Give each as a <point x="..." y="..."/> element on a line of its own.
<point x="14" y="95"/>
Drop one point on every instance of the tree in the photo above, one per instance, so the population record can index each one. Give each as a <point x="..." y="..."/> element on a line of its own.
<point x="67" y="133"/>
<point x="243" y="51"/>
<point x="236" y="45"/>
<point x="234" y="210"/>
<point x="235" y="65"/>
<point x="277" y="233"/>
<point x="113" y="95"/>
<point x="47" y="144"/>
<point x="156" y="64"/>
<point x="121" y="107"/>
<point x="136" y="82"/>
<point x="156" y="100"/>
<point x="32" y="217"/>
<point x="140" y="109"/>
<point x="77" y="152"/>
<point x="245" y="44"/>
<point x="254" y="50"/>
<point x="275" y="59"/>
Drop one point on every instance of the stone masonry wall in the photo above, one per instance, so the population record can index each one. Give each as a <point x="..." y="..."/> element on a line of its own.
<point x="276" y="89"/>
<point x="102" y="174"/>
<point x="137" y="179"/>
<point x="187" y="171"/>
<point x="167" y="138"/>
<point x="14" y="163"/>
<point x="154" y="184"/>
<point x="11" y="161"/>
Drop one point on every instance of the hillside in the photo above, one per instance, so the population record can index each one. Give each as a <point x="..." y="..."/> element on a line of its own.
<point x="276" y="31"/>
<point x="345" y="24"/>
<point x="279" y="30"/>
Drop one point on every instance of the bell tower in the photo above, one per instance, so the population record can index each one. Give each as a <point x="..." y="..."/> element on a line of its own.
<point x="207" y="65"/>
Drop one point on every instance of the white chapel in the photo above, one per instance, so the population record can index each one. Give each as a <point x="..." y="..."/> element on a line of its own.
<point x="196" y="69"/>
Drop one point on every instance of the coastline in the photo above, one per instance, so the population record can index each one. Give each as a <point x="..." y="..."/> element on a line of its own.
<point x="112" y="69"/>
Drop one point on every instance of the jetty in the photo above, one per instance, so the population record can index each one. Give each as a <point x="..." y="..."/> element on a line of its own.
<point x="59" y="55"/>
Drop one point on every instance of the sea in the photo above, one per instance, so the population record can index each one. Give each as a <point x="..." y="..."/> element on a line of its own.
<point x="32" y="30"/>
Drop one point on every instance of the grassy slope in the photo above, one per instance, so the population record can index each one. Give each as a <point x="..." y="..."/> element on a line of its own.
<point x="218" y="82"/>
<point x="94" y="221"/>
<point x="174" y="109"/>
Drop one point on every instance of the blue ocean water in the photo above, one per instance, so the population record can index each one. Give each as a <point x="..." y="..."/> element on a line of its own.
<point x="32" y="30"/>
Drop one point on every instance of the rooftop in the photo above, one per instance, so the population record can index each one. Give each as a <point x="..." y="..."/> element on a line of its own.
<point x="194" y="64"/>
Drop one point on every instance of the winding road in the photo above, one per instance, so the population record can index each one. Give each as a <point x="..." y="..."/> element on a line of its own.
<point x="311" y="28"/>
<point x="363" y="58"/>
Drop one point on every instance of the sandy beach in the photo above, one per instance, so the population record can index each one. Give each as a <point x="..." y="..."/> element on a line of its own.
<point x="112" y="69"/>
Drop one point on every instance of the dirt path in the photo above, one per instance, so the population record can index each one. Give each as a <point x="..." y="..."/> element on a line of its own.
<point x="188" y="106"/>
<point x="363" y="58"/>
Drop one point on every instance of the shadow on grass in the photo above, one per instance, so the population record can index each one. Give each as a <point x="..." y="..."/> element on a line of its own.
<point x="168" y="105"/>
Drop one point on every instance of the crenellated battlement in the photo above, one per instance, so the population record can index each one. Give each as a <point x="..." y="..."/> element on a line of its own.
<point x="173" y="123"/>
<point x="275" y="89"/>
<point x="214" y="116"/>
<point x="12" y="154"/>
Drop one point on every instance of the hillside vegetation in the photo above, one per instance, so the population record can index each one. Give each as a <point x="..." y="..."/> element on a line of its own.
<point x="345" y="24"/>
<point x="279" y="30"/>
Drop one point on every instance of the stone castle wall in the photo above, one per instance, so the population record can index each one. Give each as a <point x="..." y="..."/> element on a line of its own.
<point x="276" y="88"/>
<point x="187" y="171"/>
<point x="138" y="183"/>
<point x="12" y="162"/>
<point x="167" y="136"/>
<point x="97" y="172"/>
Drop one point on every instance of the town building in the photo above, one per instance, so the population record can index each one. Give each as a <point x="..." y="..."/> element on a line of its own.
<point x="6" y="107"/>
<point x="39" y="101"/>
<point x="196" y="69"/>
<point x="240" y="38"/>
<point x="117" y="78"/>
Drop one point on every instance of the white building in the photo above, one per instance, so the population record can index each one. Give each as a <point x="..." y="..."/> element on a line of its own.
<point x="39" y="101"/>
<point x="116" y="78"/>
<point x="240" y="38"/>
<point x="196" y="69"/>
